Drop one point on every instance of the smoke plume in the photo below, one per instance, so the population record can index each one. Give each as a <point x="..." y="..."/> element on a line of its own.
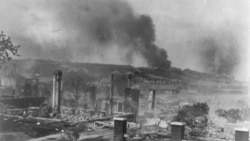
<point x="219" y="54"/>
<point x="85" y="31"/>
<point x="209" y="36"/>
<point x="204" y="35"/>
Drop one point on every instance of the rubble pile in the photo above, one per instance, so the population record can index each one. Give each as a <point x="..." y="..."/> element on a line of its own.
<point x="150" y="127"/>
<point x="79" y="115"/>
<point x="159" y="119"/>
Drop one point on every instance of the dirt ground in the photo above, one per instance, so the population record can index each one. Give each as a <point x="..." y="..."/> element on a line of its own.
<point x="15" y="136"/>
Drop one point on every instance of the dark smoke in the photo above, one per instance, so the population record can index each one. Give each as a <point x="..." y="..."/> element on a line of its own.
<point x="120" y="26"/>
<point x="88" y="27"/>
<point x="208" y="36"/>
<point x="204" y="35"/>
<point x="220" y="54"/>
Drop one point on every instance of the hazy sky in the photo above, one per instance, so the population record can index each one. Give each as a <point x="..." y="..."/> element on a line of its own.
<point x="179" y="24"/>
<point x="183" y="28"/>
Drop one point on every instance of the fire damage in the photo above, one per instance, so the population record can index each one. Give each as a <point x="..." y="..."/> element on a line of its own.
<point x="77" y="101"/>
<point x="43" y="100"/>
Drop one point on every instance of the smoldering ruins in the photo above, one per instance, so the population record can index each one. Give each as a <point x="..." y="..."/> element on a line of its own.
<point x="125" y="70"/>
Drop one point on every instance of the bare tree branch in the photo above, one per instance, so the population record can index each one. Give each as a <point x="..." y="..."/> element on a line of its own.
<point x="7" y="49"/>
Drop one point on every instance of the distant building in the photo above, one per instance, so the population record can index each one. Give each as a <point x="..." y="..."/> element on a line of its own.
<point x="172" y="86"/>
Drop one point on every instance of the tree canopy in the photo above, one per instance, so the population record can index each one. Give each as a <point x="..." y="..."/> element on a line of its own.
<point x="7" y="49"/>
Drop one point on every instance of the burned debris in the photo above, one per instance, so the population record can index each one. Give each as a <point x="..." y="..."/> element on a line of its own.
<point x="123" y="70"/>
<point x="119" y="106"/>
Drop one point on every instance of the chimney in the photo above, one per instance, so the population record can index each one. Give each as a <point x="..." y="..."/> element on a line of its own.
<point x="92" y="97"/>
<point x="134" y="104"/>
<point x="177" y="131"/>
<point x="127" y="95"/>
<point x="241" y="134"/>
<point x="129" y="80"/>
<point x="111" y="94"/>
<point x="120" y="128"/>
<point x="57" y="90"/>
<point x="153" y="100"/>
<point x="126" y="100"/>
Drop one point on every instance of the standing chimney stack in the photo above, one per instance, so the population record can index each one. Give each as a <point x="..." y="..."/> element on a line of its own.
<point x="127" y="95"/>
<point x="153" y="100"/>
<point x="120" y="128"/>
<point x="57" y="90"/>
<point x="92" y="97"/>
<point x="112" y="76"/>
<point x="129" y="80"/>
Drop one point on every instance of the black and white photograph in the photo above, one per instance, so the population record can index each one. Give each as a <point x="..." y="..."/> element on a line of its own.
<point x="124" y="70"/>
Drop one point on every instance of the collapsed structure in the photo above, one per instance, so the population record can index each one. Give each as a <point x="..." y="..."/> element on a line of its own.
<point x="106" y="101"/>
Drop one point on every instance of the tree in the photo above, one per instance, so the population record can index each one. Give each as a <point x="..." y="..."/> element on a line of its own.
<point x="232" y="115"/>
<point x="189" y="112"/>
<point x="77" y="83"/>
<point x="7" y="49"/>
